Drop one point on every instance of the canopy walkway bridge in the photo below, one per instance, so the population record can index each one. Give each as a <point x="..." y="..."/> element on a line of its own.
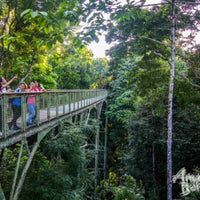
<point x="52" y="109"/>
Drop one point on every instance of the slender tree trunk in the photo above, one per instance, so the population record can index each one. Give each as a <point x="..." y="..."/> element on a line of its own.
<point x="1" y="53"/>
<point x="8" y="49"/>
<point x="1" y="156"/>
<point x="2" y="40"/>
<point x="29" y="69"/>
<point x="7" y="61"/>
<point x="153" y="168"/>
<point x="2" y="196"/>
<point x="170" y="108"/>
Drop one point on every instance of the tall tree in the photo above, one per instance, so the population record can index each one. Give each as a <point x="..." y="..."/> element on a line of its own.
<point x="170" y="106"/>
<point x="30" y="28"/>
<point x="141" y="31"/>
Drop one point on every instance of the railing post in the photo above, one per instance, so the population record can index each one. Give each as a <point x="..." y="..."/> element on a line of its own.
<point x="4" y="115"/>
<point x="63" y="101"/>
<point x="57" y="100"/>
<point x="66" y="102"/>
<point x="69" y="101"/>
<point x="43" y="100"/>
<point x="74" y="101"/>
<point x="84" y="98"/>
<point x="37" y="109"/>
<point x="81" y="99"/>
<point x="89" y="97"/>
<point x="48" y="105"/>
<point x="77" y="98"/>
<point x="23" y="111"/>
<point x="92" y="96"/>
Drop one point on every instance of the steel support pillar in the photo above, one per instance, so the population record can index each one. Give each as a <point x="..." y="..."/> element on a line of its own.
<point x="16" y="170"/>
<point x="105" y="148"/>
<point x="2" y="197"/>
<point x="87" y="117"/>
<point x="14" y="195"/>
<point x="96" y="162"/>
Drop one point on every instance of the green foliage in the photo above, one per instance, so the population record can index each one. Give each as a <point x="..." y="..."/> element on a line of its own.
<point x="139" y="92"/>
<point x="58" y="170"/>
<point x="76" y="69"/>
<point x="120" y="188"/>
<point x="100" y="68"/>
<point x="36" y="30"/>
<point x="138" y="125"/>
<point x="8" y="165"/>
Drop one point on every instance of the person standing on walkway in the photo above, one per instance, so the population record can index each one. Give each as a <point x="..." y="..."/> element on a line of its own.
<point x="16" y="107"/>
<point x="31" y="103"/>
<point x="3" y="85"/>
<point x="37" y="88"/>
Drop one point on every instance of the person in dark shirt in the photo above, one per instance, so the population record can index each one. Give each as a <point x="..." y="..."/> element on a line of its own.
<point x="16" y="107"/>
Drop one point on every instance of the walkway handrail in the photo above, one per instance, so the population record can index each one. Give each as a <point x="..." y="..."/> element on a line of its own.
<point x="50" y="104"/>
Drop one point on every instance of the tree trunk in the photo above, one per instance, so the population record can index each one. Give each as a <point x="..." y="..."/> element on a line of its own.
<point x="2" y="42"/>
<point x="154" y="168"/>
<point x="1" y="53"/>
<point x="170" y="107"/>
<point x="1" y="156"/>
<point x="29" y="69"/>
<point x="7" y="62"/>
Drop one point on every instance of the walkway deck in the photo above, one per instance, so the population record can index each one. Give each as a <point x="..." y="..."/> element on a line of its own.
<point x="52" y="107"/>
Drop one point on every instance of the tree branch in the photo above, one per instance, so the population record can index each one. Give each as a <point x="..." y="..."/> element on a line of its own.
<point x="29" y="69"/>
<point x="161" y="56"/>
<point x="179" y="74"/>
<point x="187" y="79"/>
<point x="154" y="40"/>
<point x="150" y="5"/>
<point x="187" y="2"/>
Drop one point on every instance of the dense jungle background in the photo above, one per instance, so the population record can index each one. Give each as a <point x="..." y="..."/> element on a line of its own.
<point x="48" y="40"/>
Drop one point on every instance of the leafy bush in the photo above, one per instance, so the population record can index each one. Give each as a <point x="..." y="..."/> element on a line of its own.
<point x="120" y="188"/>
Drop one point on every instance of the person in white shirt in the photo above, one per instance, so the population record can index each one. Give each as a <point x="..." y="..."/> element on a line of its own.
<point x="3" y="85"/>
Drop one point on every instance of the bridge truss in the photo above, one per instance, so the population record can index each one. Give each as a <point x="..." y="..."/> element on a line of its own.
<point x="53" y="108"/>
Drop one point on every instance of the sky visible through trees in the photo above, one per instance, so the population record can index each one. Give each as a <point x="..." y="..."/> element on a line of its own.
<point x="99" y="49"/>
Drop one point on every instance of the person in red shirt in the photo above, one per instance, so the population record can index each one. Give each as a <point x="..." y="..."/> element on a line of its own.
<point x="37" y="88"/>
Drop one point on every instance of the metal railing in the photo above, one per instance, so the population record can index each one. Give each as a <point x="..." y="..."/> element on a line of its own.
<point x="14" y="112"/>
